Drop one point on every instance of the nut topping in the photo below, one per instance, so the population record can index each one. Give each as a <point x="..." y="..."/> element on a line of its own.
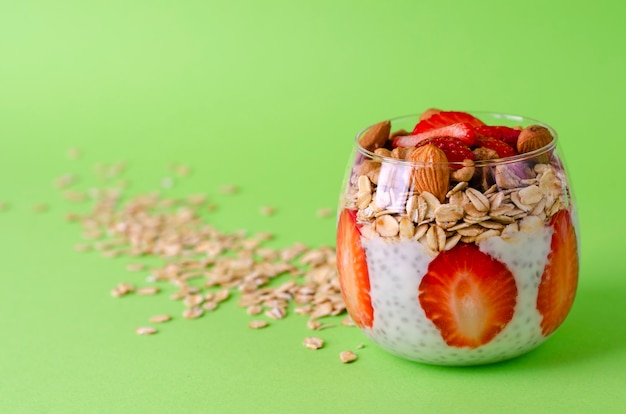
<point x="376" y="136"/>
<point x="532" y="138"/>
<point x="433" y="176"/>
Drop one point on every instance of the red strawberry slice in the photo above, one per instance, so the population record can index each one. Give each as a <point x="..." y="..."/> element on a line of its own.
<point x="455" y="149"/>
<point x="506" y="134"/>
<point x="560" y="277"/>
<point x="463" y="131"/>
<point x="502" y="148"/>
<point x="468" y="295"/>
<point x="353" y="273"/>
<point x="445" y="118"/>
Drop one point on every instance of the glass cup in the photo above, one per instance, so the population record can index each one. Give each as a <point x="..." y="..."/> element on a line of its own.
<point x="449" y="260"/>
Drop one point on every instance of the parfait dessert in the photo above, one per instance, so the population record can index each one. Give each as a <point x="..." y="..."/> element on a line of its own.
<point x="457" y="240"/>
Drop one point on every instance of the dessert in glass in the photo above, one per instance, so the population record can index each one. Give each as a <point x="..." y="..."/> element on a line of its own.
<point x="457" y="236"/>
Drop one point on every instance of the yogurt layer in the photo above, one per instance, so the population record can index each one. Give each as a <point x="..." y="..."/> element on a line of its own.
<point x="396" y="268"/>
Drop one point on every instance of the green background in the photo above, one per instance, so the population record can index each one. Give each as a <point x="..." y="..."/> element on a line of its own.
<point x="268" y="95"/>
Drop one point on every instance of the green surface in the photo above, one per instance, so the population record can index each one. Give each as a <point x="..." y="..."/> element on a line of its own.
<point x="268" y="95"/>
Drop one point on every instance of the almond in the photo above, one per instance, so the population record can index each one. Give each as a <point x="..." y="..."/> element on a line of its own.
<point x="428" y="113"/>
<point x="532" y="138"/>
<point x="433" y="175"/>
<point x="399" y="133"/>
<point x="376" y="136"/>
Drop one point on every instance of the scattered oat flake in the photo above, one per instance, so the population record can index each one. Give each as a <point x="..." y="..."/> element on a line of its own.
<point x="267" y="210"/>
<point x="275" y="313"/>
<point x="324" y="212"/>
<point x="109" y="254"/>
<point x="196" y="199"/>
<point x="160" y="318"/>
<point x="209" y="306"/>
<point x="75" y="196"/>
<point x="82" y="247"/>
<point x="116" y="169"/>
<point x="228" y="189"/>
<point x="73" y="153"/>
<point x="193" y="300"/>
<point x="347" y="321"/>
<point x="64" y="180"/>
<point x="167" y="182"/>
<point x="145" y="330"/>
<point x="178" y="295"/>
<point x="181" y="170"/>
<point x="135" y="267"/>
<point x="222" y="295"/>
<point x="313" y="342"/>
<point x="315" y="325"/>
<point x="193" y="312"/>
<point x="347" y="357"/>
<point x="150" y="290"/>
<point x="40" y="208"/>
<point x="122" y="289"/>
<point x="254" y="310"/>
<point x="257" y="324"/>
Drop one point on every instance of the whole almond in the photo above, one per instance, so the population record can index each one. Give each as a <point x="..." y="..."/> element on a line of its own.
<point x="428" y="113"/>
<point x="532" y="138"/>
<point x="376" y="136"/>
<point x="399" y="133"/>
<point x="433" y="175"/>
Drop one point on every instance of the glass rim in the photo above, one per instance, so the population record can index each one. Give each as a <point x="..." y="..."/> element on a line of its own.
<point x="477" y="163"/>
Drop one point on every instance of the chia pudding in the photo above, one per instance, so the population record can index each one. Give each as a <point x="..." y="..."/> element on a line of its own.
<point x="457" y="251"/>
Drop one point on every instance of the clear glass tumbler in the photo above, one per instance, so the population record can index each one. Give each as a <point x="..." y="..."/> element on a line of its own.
<point x="452" y="257"/>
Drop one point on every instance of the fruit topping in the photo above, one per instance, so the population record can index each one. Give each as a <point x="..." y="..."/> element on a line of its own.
<point x="455" y="149"/>
<point x="468" y="295"/>
<point x="352" y="268"/>
<point x="463" y="131"/>
<point x="502" y="148"/>
<point x="445" y="118"/>
<point x="506" y="134"/>
<point x="560" y="277"/>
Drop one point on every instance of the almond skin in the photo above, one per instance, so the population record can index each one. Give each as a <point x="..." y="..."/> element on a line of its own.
<point x="376" y="136"/>
<point x="428" y="113"/>
<point x="432" y="176"/>
<point x="532" y="138"/>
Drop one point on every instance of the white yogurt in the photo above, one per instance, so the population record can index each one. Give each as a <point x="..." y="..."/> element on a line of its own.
<point x="396" y="268"/>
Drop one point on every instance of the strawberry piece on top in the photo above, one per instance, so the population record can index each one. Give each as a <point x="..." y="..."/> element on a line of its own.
<point x="463" y="131"/>
<point x="455" y="149"/>
<point x="445" y="118"/>
<point x="502" y="148"/>
<point x="503" y="133"/>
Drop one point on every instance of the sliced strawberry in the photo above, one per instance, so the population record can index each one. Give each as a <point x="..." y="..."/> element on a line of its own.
<point x="455" y="149"/>
<point x="468" y="295"/>
<point x="506" y="134"/>
<point x="445" y="118"/>
<point x="560" y="277"/>
<point x="353" y="273"/>
<point x="502" y="148"/>
<point x="463" y="131"/>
